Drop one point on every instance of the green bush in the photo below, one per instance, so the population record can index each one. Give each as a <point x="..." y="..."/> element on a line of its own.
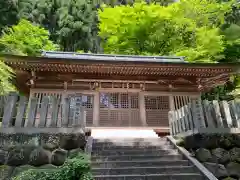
<point x="77" y="168"/>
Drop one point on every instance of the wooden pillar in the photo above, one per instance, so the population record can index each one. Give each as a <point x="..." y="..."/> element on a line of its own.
<point x="142" y="109"/>
<point x="96" y="107"/>
<point x="171" y="114"/>
<point x="171" y="103"/>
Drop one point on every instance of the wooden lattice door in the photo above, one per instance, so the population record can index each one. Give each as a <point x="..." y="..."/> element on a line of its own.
<point x="119" y="109"/>
<point x="157" y="108"/>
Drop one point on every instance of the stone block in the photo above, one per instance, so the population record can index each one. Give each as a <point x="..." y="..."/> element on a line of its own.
<point x="203" y="155"/>
<point x="58" y="157"/>
<point x="39" y="157"/>
<point x="72" y="141"/>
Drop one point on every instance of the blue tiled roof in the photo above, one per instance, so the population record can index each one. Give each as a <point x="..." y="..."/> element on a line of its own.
<point x="110" y="57"/>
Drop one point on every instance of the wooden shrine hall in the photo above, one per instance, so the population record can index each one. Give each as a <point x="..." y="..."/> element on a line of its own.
<point x="118" y="90"/>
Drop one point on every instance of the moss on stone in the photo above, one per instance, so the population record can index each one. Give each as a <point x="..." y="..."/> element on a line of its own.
<point x="211" y="141"/>
<point x="5" y="171"/>
<point x="228" y="178"/>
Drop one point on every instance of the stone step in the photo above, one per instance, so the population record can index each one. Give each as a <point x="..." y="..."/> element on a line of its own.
<point x="121" y="148"/>
<point x="134" y="152"/>
<point x="140" y="141"/>
<point x="144" y="170"/>
<point x="137" y="157"/>
<point x="125" y="146"/>
<point x="131" y="139"/>
<point x="143" y="144"/>
<point x="188" y="176"/>
<point x="139" y="163"/>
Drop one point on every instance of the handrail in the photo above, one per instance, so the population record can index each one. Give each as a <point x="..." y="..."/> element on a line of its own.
<point x="204" y="171"/>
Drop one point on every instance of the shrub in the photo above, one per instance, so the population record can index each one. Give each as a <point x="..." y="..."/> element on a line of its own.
<point x="77" y="168"/>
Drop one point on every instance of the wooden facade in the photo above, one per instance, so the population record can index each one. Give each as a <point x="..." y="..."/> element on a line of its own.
<point x="118" y="91"/>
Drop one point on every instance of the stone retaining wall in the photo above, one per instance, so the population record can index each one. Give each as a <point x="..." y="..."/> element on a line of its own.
<point x="219" y="153"/>
<point x="21" y="151"/>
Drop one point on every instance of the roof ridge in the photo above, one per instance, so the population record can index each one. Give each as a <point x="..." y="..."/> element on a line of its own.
<point x="92" y="56"/>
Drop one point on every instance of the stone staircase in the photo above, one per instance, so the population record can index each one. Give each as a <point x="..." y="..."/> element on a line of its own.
<point x="139" y="159"/>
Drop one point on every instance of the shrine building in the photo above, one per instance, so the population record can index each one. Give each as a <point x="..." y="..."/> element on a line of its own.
<point x="119" y="91"/>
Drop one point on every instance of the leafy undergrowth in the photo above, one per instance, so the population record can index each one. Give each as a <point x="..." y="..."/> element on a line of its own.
<point x="77" y="168"/>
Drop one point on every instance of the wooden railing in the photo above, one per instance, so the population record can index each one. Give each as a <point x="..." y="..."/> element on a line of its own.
<point x="205" y="117"/>
<point x="54" y="114"/>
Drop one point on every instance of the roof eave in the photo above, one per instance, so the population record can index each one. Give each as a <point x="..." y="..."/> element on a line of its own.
<point x="31" y="59"/>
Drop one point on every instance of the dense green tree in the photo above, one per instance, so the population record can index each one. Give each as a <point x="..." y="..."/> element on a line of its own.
<point x="200" y="30"/>
<point x="161" y="2"/>
<point x="42" y="12"/>
<point x="227" y="91"/>
<point x="9" y="13"/>
<point x="208" y="13"/>
<point x="233" y="16"/>
<point x="178" y="29"/>
<point x="26" y="39"/>
<point x="72" y="24"/>
<point x="230" y="30"/>
<point x="26" y="7"/>
<point x="232" y="43"/>
<point x="131" y="2"/>
<point x="6" y="75"/>
<point x="231" y="53"/>
<point x="77" y="25"/>
<point x="190" y="28"/>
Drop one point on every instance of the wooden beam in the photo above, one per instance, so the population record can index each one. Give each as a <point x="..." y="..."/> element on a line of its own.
<point x="71" y="76"/>
<point x="214" y="78"/>
<point x="186" y="82"/>
<point x="52" y="77"/>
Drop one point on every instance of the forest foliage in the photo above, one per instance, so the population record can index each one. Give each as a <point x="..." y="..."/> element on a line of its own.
<point x="178" y="29"/>
<point x="26" y="39"/>
<point x="200" y="30"/>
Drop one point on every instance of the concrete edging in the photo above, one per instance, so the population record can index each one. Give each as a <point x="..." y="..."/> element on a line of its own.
<point x="36" y="130"/>
<point x="194" y="161"/>
<point x="88" y="147"/>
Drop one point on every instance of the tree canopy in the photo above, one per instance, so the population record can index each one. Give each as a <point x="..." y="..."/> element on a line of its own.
<point x="26" y="39"/>
<point x="200" y="30"/>
<point x="9" y="13"/>
<point x="72" y="23"/>
<point x="178" y="29"/>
